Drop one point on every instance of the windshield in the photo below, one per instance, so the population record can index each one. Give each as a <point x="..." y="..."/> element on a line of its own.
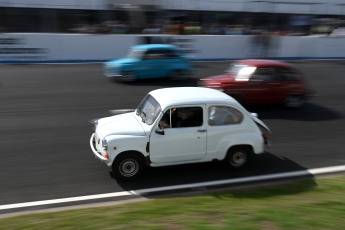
<point x="133" y="53"/>
<point x="241" y="71"/>
<point x="148" y="110"/>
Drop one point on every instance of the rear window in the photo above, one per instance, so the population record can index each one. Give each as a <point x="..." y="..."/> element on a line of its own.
<point x="223" y="115"/>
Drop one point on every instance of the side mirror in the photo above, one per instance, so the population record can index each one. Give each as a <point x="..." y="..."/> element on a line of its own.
<point x="160" y="132"/>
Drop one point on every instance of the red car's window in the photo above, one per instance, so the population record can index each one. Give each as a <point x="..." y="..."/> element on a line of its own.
<point x="285" y="74"/>
<point x="275" y="74"/>
<point x="264" y="74"/>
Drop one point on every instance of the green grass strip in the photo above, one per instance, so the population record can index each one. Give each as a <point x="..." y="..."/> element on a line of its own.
<point x="317" y="203"/>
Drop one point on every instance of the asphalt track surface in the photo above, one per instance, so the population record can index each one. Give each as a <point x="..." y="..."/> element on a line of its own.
<point x="44" y="121"/>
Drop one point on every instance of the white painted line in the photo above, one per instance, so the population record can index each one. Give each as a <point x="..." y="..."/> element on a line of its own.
<point x="307" y="172"/>
<point x="64" y="200"/>
<point x="246" y="179"/>
<point x="332" y="169"/>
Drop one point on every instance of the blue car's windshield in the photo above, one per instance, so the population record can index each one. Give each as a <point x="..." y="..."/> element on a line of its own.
<point x="135" y="53"/>
<point x="148" y="110"/>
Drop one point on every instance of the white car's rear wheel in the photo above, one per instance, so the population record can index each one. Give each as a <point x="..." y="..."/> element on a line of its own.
<point x="236" y="157"/>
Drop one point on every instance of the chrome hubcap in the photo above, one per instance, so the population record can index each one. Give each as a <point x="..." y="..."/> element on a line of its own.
<point x="129" y="167"/>
<point x="238" y="159"/>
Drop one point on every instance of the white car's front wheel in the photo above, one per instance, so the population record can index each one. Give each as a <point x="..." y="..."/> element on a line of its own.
<point x="128" y="166"/>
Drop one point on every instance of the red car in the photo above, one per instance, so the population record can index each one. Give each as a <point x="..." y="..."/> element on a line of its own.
<point x="258" y="81"/>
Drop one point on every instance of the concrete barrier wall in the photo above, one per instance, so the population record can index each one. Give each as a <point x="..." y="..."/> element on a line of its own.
<point x="36" y="48"/>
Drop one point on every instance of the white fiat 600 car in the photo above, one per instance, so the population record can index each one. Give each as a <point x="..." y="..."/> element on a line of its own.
<point x="174" y="126"/>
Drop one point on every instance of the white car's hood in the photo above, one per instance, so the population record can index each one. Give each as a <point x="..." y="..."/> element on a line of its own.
<point x="123" y="124"/>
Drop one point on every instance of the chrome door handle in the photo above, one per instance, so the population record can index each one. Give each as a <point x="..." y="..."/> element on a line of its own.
<point x="202" y="130"/>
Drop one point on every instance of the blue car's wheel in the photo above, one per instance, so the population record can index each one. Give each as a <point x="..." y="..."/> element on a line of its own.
<point x="128" y="76"/>
<point x="176" y="74"/>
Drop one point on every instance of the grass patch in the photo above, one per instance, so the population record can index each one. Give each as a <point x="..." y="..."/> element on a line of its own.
<point x="306" y="204"/>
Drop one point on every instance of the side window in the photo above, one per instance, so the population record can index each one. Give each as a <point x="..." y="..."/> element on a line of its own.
<point x="160" y="54"/>
<point x="285" y="74"/>
<point x="148" y="55"/>
<point x="170" y="54"/>
<point x="180" y="117"/>
<point x="154" y="55"/>
<point x="223" y="115"/>
<point x="165" y="122"/>
<point x="264" y="74"/>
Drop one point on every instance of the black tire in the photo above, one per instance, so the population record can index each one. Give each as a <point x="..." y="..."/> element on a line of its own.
<point x="294" y="101"/>
<point x="176" y="75"/>
<point x="128" y="166"/>
<point x="128" y="77"/>
<point x="237" y="157"/>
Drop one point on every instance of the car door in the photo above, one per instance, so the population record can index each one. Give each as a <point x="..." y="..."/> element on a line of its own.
<point x="179" y="144"/>
<point x="174" y="62"/>
<point x="280" y="85"/>
<point x="150" y="66"/>
<point x="168" y="63"/>
<point x="288" y="83"/>
<point x="263" y="88"/>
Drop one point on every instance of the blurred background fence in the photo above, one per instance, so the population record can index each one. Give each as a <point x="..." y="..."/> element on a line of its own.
<point x="90" y="30"/>
<point x="36" y="48"/>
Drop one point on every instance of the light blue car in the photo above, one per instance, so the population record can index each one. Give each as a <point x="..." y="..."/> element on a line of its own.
<point x="149" y="61"/>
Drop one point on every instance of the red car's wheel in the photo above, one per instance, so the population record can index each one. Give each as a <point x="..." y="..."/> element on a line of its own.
<point x="294" y="101"/>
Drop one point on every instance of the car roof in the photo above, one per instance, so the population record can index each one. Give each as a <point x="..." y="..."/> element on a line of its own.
<point x="264" y="63"/>
<point x="154" y="46"/>
<point x="190" y="95"/>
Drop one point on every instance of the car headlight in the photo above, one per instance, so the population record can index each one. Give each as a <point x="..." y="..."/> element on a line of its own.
<point x="105" y="144"/>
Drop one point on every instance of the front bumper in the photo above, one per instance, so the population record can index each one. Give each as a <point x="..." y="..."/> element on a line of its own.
<point x="112" y="72"/>
<point x="95" y="152"/>
<point x="113" y="75"/>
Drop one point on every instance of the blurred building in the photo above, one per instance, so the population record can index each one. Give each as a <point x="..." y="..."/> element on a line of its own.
<point x="198" y="16"/>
